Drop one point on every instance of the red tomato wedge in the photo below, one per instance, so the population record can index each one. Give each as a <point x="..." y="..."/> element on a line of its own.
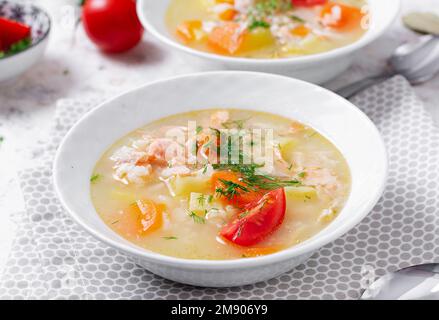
<point x="308" y="3"/>
<point x="259" y="220"/>
<point x="12" y="32"/>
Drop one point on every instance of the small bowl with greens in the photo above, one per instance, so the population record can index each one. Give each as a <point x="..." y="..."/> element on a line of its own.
<point x="24" y="34"/>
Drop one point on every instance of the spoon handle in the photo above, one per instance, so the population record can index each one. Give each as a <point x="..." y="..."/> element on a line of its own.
<point x="352" y="89"/>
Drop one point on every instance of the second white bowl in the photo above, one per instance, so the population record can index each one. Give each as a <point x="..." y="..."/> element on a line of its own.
<point x="316" y="68"/>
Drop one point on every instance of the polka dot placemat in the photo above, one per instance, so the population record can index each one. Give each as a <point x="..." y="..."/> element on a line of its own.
<point x="53" y="258"/>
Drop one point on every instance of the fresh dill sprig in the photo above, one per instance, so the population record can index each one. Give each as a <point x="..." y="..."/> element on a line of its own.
<point x="196" y="218"/>
<point x="230" y="189"/>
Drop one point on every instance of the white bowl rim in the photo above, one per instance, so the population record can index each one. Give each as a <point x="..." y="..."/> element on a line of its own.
<point x="40" y="40"/>
<point x="316" y="242"/>
<point x="251" y="61"/>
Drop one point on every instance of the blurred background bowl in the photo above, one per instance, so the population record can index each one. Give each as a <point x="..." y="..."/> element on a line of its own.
<point x="14" y="65"/>
<point x="317" y="68"/>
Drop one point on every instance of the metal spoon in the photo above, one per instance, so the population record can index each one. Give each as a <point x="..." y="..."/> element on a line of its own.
<point x="417" y="61"/>
<point x="416" y="282"/>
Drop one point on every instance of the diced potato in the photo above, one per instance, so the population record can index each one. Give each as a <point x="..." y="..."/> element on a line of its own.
<point x="315" y="44"/>
<point x="287" y="147"/>
<point x="300" y="193"/>
<point x="124" y="196"/>
<point x="183" y="186"/>
<point x="199" y="202"/>
<point x="327" y="215"/>
<point x="257" y="39"/>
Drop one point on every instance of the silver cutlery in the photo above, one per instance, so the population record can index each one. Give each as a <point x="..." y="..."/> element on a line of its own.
<point x="412" y="283"/>
<point x="417" y="61"/>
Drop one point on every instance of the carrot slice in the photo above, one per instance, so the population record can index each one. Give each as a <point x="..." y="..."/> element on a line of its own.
<point x="300" y="31"/>
<point x="242" y="197"/>
<point x="226" y="38"/>
<point x="262" y="251"/>
<point x="341" y="16"/>
<point x="228" y="14"/>
<point x="140" y="218"/>
<point x="186" y="30"/>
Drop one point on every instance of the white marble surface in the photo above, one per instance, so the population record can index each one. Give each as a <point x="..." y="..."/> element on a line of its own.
<point x="73" y="68"/>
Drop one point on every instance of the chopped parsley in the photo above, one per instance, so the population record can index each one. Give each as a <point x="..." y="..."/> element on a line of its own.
<point x="95" y="178"/>
<point x="302" y="174"/>
<point x="199" y="129"/>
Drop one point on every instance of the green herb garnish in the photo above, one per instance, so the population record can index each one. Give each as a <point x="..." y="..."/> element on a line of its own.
<point x="258" y="24"/>
<point x="297" y="19"/>
<point x="199" y="129"/>
<point x="302" y="174"/>
<point x="230" y="189"/>
<point x="94" y="178"/>
<point x="170" y="238"/>
<point x="196" y="218"/>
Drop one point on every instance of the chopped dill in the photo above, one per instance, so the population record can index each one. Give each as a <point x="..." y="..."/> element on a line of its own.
<point x="94" y="178"/>
<point x="196" y="218"/>
<point x="170" y="238"/>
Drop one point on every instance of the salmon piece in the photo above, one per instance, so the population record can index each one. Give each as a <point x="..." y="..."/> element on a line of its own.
<point x="227" y="38"/>
<point x="340" y="16"/>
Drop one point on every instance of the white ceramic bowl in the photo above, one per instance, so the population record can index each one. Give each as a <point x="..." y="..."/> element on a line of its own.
<point x="14" y="65"/>
<point x="317" y="68"/>
<point x="336" y="118"/>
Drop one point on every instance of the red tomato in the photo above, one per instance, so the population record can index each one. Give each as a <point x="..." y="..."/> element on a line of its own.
<point x="12" y="32"/>
<point x="258" y="221"/>
<point x="307" y="3"/>
<point x="112" y="25"/>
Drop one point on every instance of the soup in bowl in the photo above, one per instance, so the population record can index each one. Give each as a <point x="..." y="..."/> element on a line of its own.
<point x="266" y="28"/>
<point x="148" y="174"/>
<point x="220" y="184"/>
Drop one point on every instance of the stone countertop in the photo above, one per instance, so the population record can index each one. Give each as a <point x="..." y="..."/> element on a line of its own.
<point x="73" y="68"/>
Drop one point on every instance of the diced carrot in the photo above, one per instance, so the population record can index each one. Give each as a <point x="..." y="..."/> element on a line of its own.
<point x="186" y="30"/>
<point x="262" y="251"/>
<point x="232" y="2"/>
<point x="341" y="16"/>
<point x="242" y="197"/>
<point x="140" y="218"/>
<point x="226" y="38"/>
<point x="228" y="14"/>
<point x="300" y="31"/>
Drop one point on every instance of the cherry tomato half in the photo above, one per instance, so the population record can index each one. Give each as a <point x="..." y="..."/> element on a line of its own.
<point x="307" y="3"/>
<point x="12" y="32"/>
<point x="112" y="25"/>
<point x="259" y="220"/>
